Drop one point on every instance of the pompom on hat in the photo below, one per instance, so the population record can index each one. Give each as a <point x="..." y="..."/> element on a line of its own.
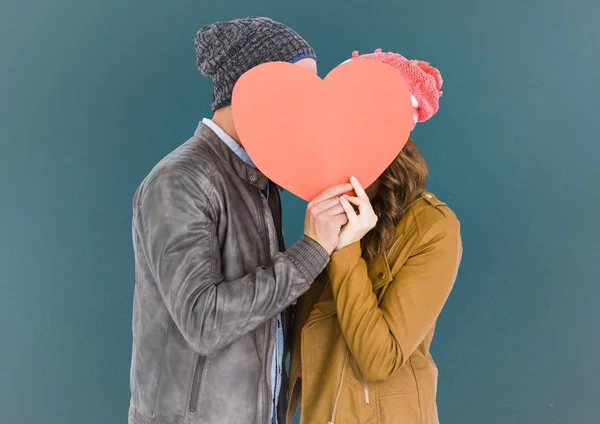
<point x="423" y="80"/>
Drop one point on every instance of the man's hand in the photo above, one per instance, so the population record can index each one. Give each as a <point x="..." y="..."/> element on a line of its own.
<point x="325" y="216"/>
<point x="358" y="224"/>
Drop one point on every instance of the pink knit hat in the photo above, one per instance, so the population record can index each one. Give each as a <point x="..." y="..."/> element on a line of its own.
<point x="423" y="80"/>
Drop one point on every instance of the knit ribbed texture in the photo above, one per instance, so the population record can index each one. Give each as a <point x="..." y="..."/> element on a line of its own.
<point x="423" y="80"/>
<point x="309" y="256"/>
<point x="226" y="50"/>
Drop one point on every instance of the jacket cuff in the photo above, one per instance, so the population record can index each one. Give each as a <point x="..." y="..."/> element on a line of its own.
<point x="345" y="259"/>
<point x="309" y="256"/>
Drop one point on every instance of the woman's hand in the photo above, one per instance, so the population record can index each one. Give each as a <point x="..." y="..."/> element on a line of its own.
<point x="358" y="224"/>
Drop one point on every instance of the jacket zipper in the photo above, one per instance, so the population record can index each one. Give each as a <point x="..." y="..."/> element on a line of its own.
<point x="195" y="392"/>
<point x="285" y="315"/>
<point x="339" y="390"/>
<point x="263" y="223"/>
<point x="267" y="246"/>
<point x="277" y="215"/>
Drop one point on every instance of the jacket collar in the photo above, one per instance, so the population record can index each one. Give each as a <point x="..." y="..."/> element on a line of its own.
<point x="229" y="141"/>
<point x="246" y="172"/>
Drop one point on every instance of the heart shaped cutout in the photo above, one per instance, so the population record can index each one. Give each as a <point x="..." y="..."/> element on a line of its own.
<point x="306" y="133"/>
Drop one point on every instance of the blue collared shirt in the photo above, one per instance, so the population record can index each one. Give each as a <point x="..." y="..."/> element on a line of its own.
<point x="277" y="364"/>
<point x="235" y="147"/>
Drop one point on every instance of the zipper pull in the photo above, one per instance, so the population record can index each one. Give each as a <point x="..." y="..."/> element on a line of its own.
<point x="367" y="397"/>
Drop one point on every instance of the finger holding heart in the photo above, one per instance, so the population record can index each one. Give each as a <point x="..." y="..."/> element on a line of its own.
<point x="359" y="224"/>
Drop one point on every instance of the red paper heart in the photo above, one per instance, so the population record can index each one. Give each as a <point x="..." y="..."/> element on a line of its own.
<point x="307" y="134"/>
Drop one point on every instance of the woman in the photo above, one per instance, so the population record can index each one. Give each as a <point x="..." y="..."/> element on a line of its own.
<point x="364" y="329"/>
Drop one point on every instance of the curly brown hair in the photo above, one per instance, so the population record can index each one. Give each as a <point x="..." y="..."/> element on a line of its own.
<point x="399" y="186"/>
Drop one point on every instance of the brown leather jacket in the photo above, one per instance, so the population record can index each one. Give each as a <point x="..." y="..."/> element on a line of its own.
<point x="210" y="279"/>
<point x="363" y="332"/>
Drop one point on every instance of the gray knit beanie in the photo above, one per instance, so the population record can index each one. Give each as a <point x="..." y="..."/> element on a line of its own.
<point x="226" y="50"/>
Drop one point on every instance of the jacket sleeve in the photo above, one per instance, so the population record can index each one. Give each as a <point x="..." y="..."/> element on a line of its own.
<point x="382" y="337"/>
<point x="179" y="243"/>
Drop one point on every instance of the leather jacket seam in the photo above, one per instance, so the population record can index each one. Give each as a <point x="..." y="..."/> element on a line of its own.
<point x="162" y="367"/>
<point x="201" y="187"/>
<point x="175" y="170"/>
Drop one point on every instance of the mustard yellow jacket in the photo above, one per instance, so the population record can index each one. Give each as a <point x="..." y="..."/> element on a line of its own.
<point x="363" y="332"/>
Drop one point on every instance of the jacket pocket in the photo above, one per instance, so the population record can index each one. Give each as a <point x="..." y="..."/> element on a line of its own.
<point x="403" y="381"/>
<point x="401" y="408"/>
<point x="196" y="383"/>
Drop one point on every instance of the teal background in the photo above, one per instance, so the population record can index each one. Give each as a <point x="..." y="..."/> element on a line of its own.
<point x="93" y="94"/>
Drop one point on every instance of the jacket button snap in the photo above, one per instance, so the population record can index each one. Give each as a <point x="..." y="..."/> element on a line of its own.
<point x="253" y="178"/>
<point x="381" y="275"/>
<point x="428" y="195"/>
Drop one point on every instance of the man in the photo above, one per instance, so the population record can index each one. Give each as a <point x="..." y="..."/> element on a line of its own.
<point x="212" y="281"/>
